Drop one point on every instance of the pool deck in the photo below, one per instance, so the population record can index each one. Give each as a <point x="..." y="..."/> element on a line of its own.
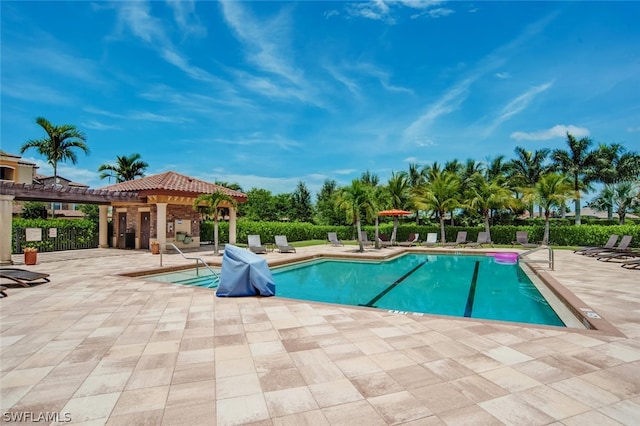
<point x="110" y="349"/>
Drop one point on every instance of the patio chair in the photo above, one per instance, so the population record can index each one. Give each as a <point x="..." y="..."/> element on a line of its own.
<point x="522" y="238"/>
<point x="411" y="240"/>
<point x="255" y="245"/>
<point x="461" y="239"/>
<point x="333" y="239"/>
<point x="611" y="243"/>
<point x="631" y="264"/>
<point x="622" y="251"/>
<point x="3" y="293"/>
<point x="483" y="238"/>
<point x="432" y="240"/>
<point x="384" y="241"/>
<point x="622" y="247"/>
<point x="283" y="245"/>
<point x="23" y="277"/>
<point x="365" y="239"/>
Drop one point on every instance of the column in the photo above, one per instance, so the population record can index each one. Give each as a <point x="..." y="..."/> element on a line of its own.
<point x="162" y="225"/>
<point x="6" y="216"/>
<point x="103" y="227"/>
<point x="232" y="225"/>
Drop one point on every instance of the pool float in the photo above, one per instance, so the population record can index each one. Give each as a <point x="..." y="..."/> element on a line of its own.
<point x="505" y="258"/>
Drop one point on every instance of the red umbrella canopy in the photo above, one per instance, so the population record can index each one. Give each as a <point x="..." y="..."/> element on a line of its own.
<point x="394" y="212"/>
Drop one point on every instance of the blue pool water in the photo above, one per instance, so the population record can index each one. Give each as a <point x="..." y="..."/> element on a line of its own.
<point x="471" y="286"/>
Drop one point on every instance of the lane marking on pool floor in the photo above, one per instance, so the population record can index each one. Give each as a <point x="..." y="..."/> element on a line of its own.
<point x="392" y="286"/>
<point x="472" y="291"/>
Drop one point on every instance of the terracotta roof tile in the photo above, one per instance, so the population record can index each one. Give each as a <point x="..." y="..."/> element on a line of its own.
<point x="172" y="181"/>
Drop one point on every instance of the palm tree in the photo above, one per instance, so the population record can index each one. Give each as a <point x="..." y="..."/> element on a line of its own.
<point x="614" y="165"/>
<point x="354" y="199"/>
<point x="485" y="194"/>
<point x="440" y="194"/>
<point x="624" y="195"/>
<point x="552" y="190"/>
<point x="210" y="204"/>
<point x="398" y="189"/>
<point x="416" y="176"/>
<point x="526" y="169"/>
<point x="579" y="163"/>
<point x="58" y="146"/>
<point x="126" y="168"/>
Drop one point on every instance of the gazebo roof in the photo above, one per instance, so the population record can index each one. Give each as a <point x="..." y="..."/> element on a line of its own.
<point x="172" y="182"/>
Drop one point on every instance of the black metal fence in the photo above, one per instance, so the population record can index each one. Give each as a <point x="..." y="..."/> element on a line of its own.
<point x="64" y="239"/>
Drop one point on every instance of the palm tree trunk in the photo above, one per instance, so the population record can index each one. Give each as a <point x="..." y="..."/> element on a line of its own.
<point x="395" y="229"/>
<point x="545" y="238"/>
<point x="442" y="234"/>
<point x="377" y="244"/>
<point x="359" y="228"/>
<point x="486" y="224"/>
<point x="215" y="234"/>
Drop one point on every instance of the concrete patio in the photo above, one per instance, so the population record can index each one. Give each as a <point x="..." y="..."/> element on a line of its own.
<point x="100" y="348"/>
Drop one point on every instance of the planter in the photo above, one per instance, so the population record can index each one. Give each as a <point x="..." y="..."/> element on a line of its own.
<point x="30" y="257"/>
<point x="155" y="248"/>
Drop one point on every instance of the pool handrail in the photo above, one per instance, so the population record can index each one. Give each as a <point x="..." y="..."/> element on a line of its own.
<point x="533" y="250"/>
<point x="197" y="259"/>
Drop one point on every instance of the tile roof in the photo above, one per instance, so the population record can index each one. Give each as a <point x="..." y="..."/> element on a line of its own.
<point x="172" y="181"/>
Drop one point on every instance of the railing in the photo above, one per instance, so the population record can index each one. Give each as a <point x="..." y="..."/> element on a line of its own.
<point x="551" y="258"/>
<point x="197" y="259"/>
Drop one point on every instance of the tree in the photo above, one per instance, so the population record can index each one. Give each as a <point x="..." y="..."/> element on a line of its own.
<point x="126" y="168"/>
<point x="485" y="194"/>
<point x="326" y="211"/>
<point x="34" y="210"/>
<point x="416" y="177"/>
<point x="527" y="168"/>
<point x="624" y="196"/>
<point x="552" y="190"/>
<point x="231" y="185"/>
<point x="302" y="209"/>
<point x="210" y="204"/>
<point x="353" y="199"/>
<point x="614" y="165"/>
<point x="440" y="194"/>
<point x="58" y="146"/>
<point x="579" y="163"/>
<point x="259" y="206"/>
<point x="398" y="190"/>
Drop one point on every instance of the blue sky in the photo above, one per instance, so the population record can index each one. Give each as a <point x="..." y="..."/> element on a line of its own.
<point x="266" y="94"/>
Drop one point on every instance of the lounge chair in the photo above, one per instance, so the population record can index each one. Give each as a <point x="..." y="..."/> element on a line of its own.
<point x="432" y="240"/>
<point x="3" y="293"/>
<point x="255" y="245"/>
<point x="483" y="238"/>
<point x="384" y="241"/>
<point x="461" y="239"/>
<point x="411" y="240"/>
<point x="622" y="247"/>
<point x="611" y="243"/>
<point x="522" y="238"/>
<point x="364" y="238"/>
<point x="23" y="277"/>
<point x="283" y="245"/>
<point x="333" y="239"/>
<point x="631" y="264"/>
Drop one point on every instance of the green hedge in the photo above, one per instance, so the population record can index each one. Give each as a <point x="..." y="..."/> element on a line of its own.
<point x="562" y="235"/>
<point x="76" y="233"/>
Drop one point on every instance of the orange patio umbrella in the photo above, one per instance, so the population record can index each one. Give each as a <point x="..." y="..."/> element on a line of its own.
<point x="395" y="213"/>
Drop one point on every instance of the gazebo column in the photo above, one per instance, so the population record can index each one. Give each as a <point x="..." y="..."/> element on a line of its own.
<point x="232" y="225"/>
<point x="6" y="213"/>
<point x="162" y="224"/>
<point x="103" y="227"/>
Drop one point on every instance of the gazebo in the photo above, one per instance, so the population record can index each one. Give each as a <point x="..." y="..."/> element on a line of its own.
<point x="163" y="211"/>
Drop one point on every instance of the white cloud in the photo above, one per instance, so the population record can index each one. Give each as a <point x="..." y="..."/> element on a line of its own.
<point x="329" y="13"/>
<point x="633" y="129"/>
<point x="502" y="75"/>
<point x="557" y="131"/>
<point x="516" y="106"/>
<point x="440" y="12"/>
<point x="186" y="18"/>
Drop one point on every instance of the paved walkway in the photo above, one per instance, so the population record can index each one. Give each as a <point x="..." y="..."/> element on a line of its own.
<point x="100" y="348"/>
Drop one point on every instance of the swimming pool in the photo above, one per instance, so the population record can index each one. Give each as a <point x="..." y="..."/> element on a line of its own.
<point x="463" y="286"/>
